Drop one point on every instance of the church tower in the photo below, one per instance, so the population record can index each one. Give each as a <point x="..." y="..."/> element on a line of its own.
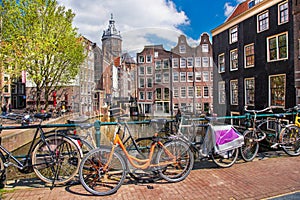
<point x="111" y="41"/>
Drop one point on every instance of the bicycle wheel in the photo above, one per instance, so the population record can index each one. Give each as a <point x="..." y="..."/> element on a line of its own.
<point x="250" y="147"/>
<point x="141" y="151"/>
<point x="225" y="159"/>
<point x="184" y="161"/>
<point x="98" y="176"/>
<point x="85" y="146"/>
<point x="56" y="160"/>
<point x="290" y="140"/>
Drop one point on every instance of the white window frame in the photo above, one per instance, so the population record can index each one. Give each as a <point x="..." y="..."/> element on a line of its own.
<point x="263" y="24"/>
<point x="149" y="80"/>
<point x="198" y="91"/>
<point x="158" y="78"/>
<point x="175" y="74"/>
<point x="175" y="63"/>
<point x="284" y="89"/>
<point x="166" y="77"/>
<point x="197" y="61"/>
<point x="205" y="92"/>
<point x="221" y="92"/>
<point x="142" y="95"/>
<point x="182" y="62"/>
<point x="233" y="34"/>
<point x="190" y="76"/>
<point x="175" y="92"/>
<point x="234" y="60"/>
<point x="205" y="48"/>
<point x="141" y="59"/>
<point x="277" y="47"/>
<point x="157" y="64"/>
<point x="182" y="74"/>
<point x="247" y="89"/>
<point x="142" y="70"/>
<point x="234" y="92"/>
<point x="198" y="76"/>
<point x="140" y="82"/>
<point x="166" y="64"/>
<point x="149" y="58"/>
<point x="149" y="70"/>
<point x="182" y="48"/>
<point x="183" y="89"/>
<point x="221" y="70"/>
<point x="283" y="8"/>
<point x="249" y="55"/>
<point x="190" y="91"/>
<point x="205" y="61"/>
<point x="205" y="76"/>
<point x="190" y="62"/>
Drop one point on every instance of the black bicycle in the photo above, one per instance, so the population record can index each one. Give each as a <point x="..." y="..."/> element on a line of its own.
<point x="54" y="158"/>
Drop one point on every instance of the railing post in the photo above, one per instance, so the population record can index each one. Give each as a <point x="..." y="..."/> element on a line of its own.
<point x="97" y="125"/>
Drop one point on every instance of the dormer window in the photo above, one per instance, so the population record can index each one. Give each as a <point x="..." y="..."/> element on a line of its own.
<point x="182" y="49"/>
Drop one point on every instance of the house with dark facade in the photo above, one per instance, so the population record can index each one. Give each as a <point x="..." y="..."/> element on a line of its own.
<point x="254" y="57"/>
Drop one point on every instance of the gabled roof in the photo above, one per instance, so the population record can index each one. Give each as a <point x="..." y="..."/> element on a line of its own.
<point x="239" y="9"/>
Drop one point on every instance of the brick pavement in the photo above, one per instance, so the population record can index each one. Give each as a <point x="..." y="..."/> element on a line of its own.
<point x="259" y="179"/>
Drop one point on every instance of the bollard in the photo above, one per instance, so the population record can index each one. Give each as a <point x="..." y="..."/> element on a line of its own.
<point x="97" y="125"/>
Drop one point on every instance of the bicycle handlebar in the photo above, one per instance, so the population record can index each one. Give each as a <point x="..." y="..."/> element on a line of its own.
<point x="259" y="111"/>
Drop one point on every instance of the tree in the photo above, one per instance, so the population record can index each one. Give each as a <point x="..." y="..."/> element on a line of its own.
<point x="37" y="37"/>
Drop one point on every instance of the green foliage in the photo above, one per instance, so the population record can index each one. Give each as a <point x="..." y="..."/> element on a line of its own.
<point x="38" y="37"/>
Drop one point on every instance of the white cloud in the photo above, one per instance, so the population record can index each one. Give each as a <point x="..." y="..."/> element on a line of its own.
<point x="228" y="9"/>
<point x="138" y="21"/>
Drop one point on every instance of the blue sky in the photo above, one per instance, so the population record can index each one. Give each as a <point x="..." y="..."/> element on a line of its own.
<point x="148" y="22"/>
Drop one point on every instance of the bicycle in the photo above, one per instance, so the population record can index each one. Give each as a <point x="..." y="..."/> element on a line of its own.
<point x="54" y="158"/>
<point x="274" y="131"/>
<point x="218" y="142"/>
<point x="103" y="170"/>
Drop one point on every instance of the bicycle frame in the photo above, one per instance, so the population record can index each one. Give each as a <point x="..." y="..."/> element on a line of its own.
<point x="145" y="163"/>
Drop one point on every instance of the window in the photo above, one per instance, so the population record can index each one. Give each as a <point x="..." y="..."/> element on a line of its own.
<point x="205" y="76"/>
<point x="175" y="92"/>
<point x="148" y="59"/>
<point x="277" y="90"/>
<point x="142" y="96"/>
<point x="183" y="92"/>
<point x="166" y="64"/>
<point x="211" y="76"/>
<point x="141" y="59"/>
<point x="149" y="83"/>
<point x="233" y="34"/>
<point x="149" y="95"/>
<point x="205" y="62"/>
<point x="182" y="62"/>
<point x="283" y="13"/>
<point x="221" y="92"/>
<point x="175" y="63"/>
<point x="205" y="91"/>
<point x="234" y="92"/>
<point x="221" y="63"/>
<point x="142" y="70"/>
<point x="263" y="22"/>
<point x="182" y="77"/>
<point x="205" y="48"/>
<point x="142" y="83"/>
<point x="198" y="62"/>
<point x="249" y="55"/>
<point x="182" y="49"/>
<point x="198" y="76"/>
<point x="166" y="78"/>
<point x="277" y="47"/>
<point x="190" y="76"/>
<point x="190" y="91"/>
<point x="155" y="54"/>
<point x="234" y="60"/>
<point x="175" y="76"/>
<point x="149" y="70"/>
<point x="198" y="91"/>
<point x="249" y="91"/>
<point x="157" y="78"/>
<point x="166" y="94"/>
<point x="157" y="64"/>
<point x="189" y="62"/>
<point x="158" y="93"/>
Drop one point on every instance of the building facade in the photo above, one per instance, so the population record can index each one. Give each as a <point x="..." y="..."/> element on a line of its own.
<point x="192" y="75"/>
<point x="254" y="58"/>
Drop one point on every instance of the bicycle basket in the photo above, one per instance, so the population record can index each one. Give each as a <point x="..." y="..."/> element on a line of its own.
<point x="188" y="128"/>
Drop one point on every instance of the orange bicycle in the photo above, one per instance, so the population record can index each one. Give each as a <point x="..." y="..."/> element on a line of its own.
<point x="104" y="169"/>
